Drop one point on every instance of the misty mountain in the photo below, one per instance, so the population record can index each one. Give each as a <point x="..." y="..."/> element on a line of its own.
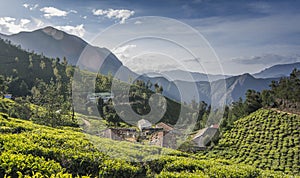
<point x="182" y="75"/>
<point x="280" y="70"/>
<point x="238" y="85"/>
<point x="226" y="90"/>
<point x="50" y="42"/>
<point x="177" y="84"/>
<point x="54" y="43"/>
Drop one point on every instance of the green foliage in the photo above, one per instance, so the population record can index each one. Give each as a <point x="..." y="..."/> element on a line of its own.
<point x="266" y="139"/>
<point x="41" y="151"/>
<point x="11" y="164"/>
<point x="20" y="69"/>
<point x="56" y="109"/>
<point x="283" y="94"/>
<point x="286" y="92"/>
<point x="117" y="168"/>
<point x="263" y="140"/>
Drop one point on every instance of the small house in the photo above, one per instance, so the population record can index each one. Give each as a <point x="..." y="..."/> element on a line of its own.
<point x="166" y="127"/>
<point x="93" y="97"/>
<point x="143" y="123"/>
<point x="8" y="96"/>
<point x="128" y="134"/>
<point x="205" y="136"/>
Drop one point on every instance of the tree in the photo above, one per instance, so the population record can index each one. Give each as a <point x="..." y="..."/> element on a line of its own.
<point x="110" y="115"/>
<point x="238" y="110"/>
<point x="267" y="98"/>
<point x="3" y="86"/>
<point x="42" y="65"/>
<point x="158" y="89"/>
<point x="23" y="88"/>
<point x="57" y="110"/>
<point x="30" y="59"/>
<point x="65" y="62"/>
<point x="17" y="59"/>
<point x="253" y="101"/>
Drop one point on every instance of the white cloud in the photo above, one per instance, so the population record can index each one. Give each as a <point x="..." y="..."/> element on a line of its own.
<point x="30" y="7"/>
<point x="34" y="7"/>
<point x="84" y="17"/>
<point x="151" y="62"/>
<point x="73" y="11"/>
<point x="23" y="22"/>
<point x="74" y="30"/>
<point x="120" y="14"/>
<point x="8" y="19"/>
<point x="123" y="52"/>
<point x="39" y="23"/>
<point x="54" y="12"/>
<point x="11" y="25"/>
<point x="137" y="22"/>
<point x="26" y="5"/>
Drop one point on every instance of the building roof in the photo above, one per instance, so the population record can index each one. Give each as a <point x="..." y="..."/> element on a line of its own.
<point x="101" y="94"/>
<point x="143" y="123"/>
<point x="165" y="126"/>
<point x="200" y="133"/>
<point x="215" y="126"/>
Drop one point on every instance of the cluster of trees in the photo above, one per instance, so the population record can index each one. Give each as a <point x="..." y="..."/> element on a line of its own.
<point x="34" y="79"/>
<point x="139" y="96"/>
<point x="283" y="94"/>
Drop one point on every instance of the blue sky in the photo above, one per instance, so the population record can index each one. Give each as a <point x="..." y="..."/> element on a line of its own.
<point x="248" y="36"/>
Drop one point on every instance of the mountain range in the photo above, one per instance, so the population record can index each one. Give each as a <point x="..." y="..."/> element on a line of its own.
<point x="281" y="70"/>
<point x="179" y="85"/>
<point x="54" y="43"/>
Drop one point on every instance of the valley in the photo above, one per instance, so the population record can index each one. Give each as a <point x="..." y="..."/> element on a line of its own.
<point x="59" y="118"/>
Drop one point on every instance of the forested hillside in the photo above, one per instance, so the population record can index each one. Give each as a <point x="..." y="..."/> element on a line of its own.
<point x="20" y="70"/>
<point x="33" y="78"/>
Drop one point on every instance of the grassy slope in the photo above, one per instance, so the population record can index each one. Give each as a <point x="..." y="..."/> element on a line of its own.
<point x="27" y="147"/>
<point x="266" y="139"/>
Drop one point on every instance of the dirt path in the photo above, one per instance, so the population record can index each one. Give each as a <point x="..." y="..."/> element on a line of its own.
<point x="86" y="122"/>
<point x="280" y="111"/>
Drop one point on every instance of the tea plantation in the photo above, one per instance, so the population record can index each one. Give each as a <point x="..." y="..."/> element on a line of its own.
<point x="32" y="150"/>
<point x="266" y="139"/>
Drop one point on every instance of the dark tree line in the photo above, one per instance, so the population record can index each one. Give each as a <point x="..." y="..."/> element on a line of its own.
<point x="283" y="94"/>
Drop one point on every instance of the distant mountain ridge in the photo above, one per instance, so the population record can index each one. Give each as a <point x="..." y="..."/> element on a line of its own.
<point x="276" y="71"/>
<point x="50" y="42"/>
<point x="55" y="43"/>
<point x="174" y="75"/>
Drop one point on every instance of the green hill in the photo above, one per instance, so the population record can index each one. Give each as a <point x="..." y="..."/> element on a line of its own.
<point x="21" y="70"/>
<point x="266" y="139"/>
<point x="31" y="149"/>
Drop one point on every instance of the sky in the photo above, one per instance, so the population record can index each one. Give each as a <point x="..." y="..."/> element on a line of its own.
<point x="247" y="36"/>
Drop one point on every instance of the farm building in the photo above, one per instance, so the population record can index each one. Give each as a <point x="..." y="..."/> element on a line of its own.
<point x="205" y="135"/>
<point x="93" y="97"/>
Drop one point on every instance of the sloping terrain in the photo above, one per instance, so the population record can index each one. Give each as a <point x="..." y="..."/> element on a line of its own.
<point x="266" y="139"/>
<point x="55" y="43"/>
<point x="32" y="149"/>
